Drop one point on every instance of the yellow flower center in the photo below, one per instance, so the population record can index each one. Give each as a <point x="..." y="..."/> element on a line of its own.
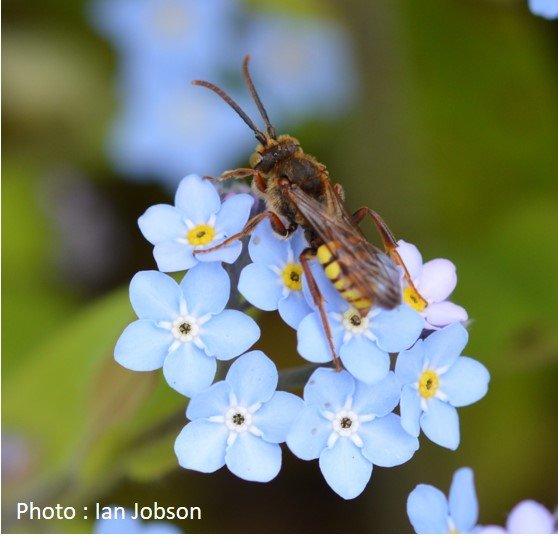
<point x="413" y="299"/>
<point x="428" y="384"/>
<point x="201" y="234"/>
<point x="292" y="276"/>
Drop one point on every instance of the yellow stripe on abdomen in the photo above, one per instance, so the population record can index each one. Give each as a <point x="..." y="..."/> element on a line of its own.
<point x="334" y="272"/>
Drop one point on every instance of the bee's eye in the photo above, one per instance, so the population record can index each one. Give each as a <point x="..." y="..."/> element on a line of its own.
<point x="276" y="154"/>
<point x="255" y="159"/>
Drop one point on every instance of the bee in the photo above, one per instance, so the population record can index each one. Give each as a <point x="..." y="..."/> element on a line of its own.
<point x="298" y="192"/>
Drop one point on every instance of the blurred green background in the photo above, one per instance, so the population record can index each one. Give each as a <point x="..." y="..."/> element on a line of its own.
<point x="453" y="139"/>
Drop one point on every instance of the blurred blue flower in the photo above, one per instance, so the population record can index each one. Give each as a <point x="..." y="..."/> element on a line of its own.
<point x="434" y="280"/>
<point x="169" y="34"/>
<point x="362" y="343"/>
<point x="128" y="525"/>
<point x="436" y="380"/>
<point x="239" y="422"/>
<point x="165" y="131"/>
<point x="274" y="279"/>
<point x="303" y="71"/>
<point x="430" y="512"/>
<point x="544" y="8"/>
<point x="184" y="328"/>
<point x="165" y="128"/>
<point x="527" y="517"/>
<point x="197" y="221"/>
<point x="349" y="426"/>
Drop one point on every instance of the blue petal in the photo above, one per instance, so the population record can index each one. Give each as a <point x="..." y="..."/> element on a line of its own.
<point x="377" y="399"/>
<point x="276" y="416"/>
<point x="530" y="517"/>
<point x="161" y="223"/>
<point x="172" y="256"/>
<point x="442" y="348"/>
<point x="344" y="468"/>
<point x="298" y="242"/>
<point x="142" y="346"/>
<point x="212" y="402"/>
<point x="206" y="289"/>
<point x="234" y="214"/>
<point x="253" y="459"/>
<point x="201" y="446"/>
<point x="365" y="360"/>
<point x="309" y="433"/>
<point x="161" y="528"/>
<point x="126" y="525"/>
<point x="427" y="508"/>
<point x="397" y="329"/>
<point x="329" y="389"/>
<point x="386" y="443"/>
<point x="189" y="370"/>
<point x="155" y="296"/>
<point x="410" y="410"/>
<point x="544" y="8"/>
<point x="197" y="198"/>
<point x="228" y="254"/>
<point x="440" y="423"/>
<point x="465" y="382"/>
<point x="229" y="334"/>
<point x="293" y="309"/>
<point x="253" y="378"/>
<point x="311" y="339"/>
<point x="265" y="248"/>
<point x="463" y="504"/>
<point x="260" y="286"/>
<point x="409" y="365"/>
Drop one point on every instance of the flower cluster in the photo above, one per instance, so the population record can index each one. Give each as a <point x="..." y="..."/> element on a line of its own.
<point x="407" y="358"/>
<point x="431" y="512"/>
<point x="165" y="126"/>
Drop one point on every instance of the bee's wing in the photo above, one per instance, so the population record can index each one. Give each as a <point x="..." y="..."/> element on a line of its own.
<point x="372" y="272"/>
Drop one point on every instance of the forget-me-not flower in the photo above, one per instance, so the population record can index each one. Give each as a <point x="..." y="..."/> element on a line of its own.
<point x="436" y="380"/>
<point x="274" y="279"/>
<point x="431" y="512"/>
<point x="197" y="221"/>
<point x="434" y="280"/>
<point x="349" y="426"/>
<point x="184" y="328"/>
<point x="362" y="343"/>
<point x="239" y="422"/>
<point x="544" y="8"/>
<point x="527" y="517"/>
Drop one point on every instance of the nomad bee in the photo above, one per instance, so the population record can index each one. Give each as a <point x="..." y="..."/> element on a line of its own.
<point x="298" y="192"/>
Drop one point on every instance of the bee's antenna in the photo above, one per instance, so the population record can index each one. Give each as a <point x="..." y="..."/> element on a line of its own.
<point x="259" y="104"/>
<point x="260" y="136"/>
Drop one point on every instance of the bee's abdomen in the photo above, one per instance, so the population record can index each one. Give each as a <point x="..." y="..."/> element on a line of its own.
<point x="340" y="278"/>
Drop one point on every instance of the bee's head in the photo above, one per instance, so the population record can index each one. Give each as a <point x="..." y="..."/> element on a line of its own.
<point x="266" y="156"/>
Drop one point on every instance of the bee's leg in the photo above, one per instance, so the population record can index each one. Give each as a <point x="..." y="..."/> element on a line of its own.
<point x="390" y="244"/>
<point x="241" y="172"/>
<point x="276" y="225"/>
<point x="317" y="297"/>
